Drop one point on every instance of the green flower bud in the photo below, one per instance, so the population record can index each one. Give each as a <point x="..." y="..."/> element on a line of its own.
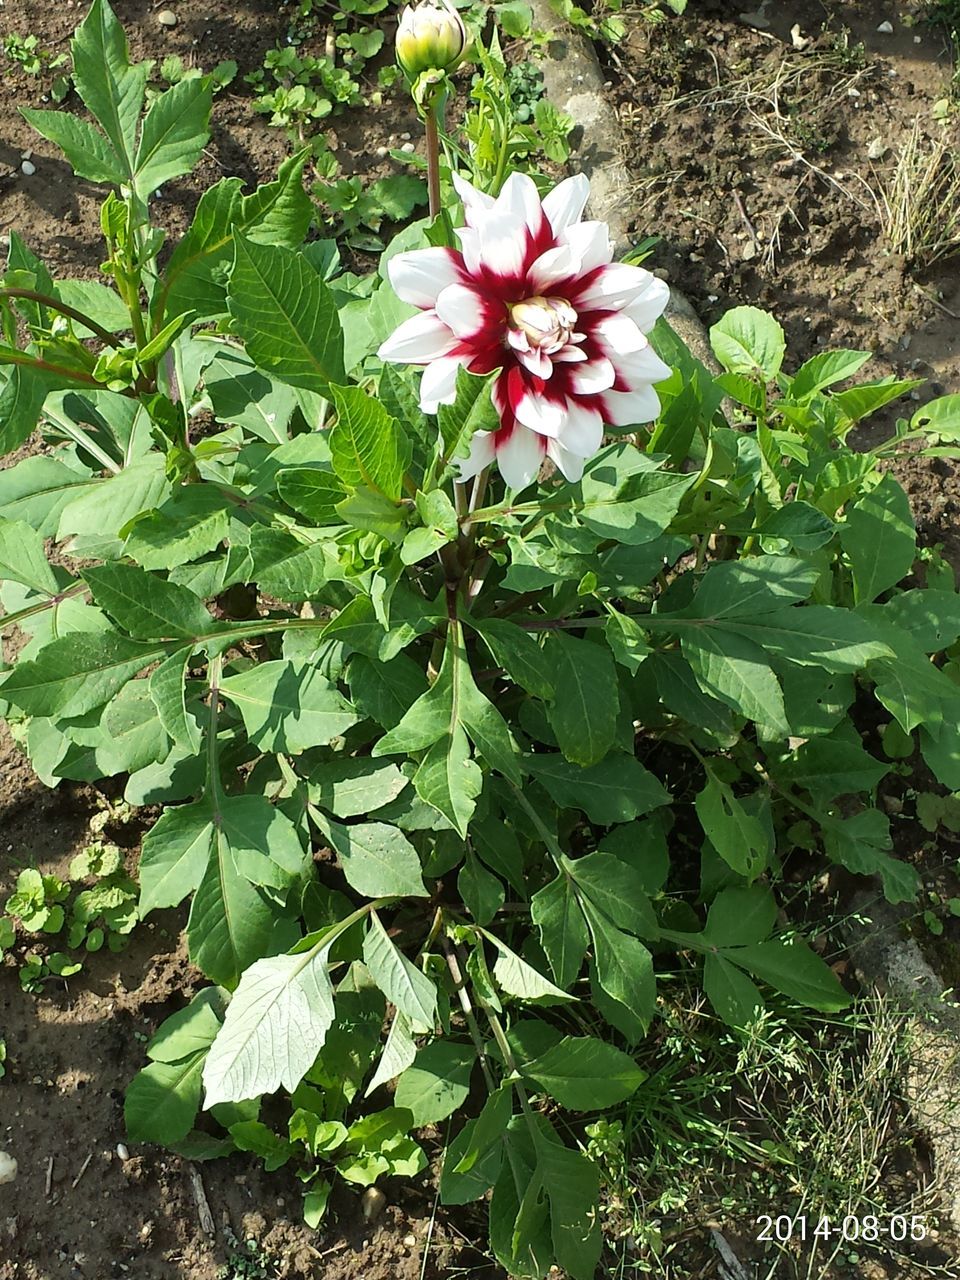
<point x="430" y="37"/>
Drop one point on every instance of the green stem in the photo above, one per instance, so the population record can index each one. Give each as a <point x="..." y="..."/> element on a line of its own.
<point x="73" y="375"/>
<point x="213" y="765"/>
<point x="54" y="304"/>
<point x="460" y="986"/>
<point x="433" y="157"/>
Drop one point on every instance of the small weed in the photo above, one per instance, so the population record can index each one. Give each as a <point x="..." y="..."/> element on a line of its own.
<point x="27" y="53"/>
<point x="246" y="1260"/>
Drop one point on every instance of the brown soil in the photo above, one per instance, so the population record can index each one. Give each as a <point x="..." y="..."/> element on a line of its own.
<point x="751" y="159"/>
<point x="72" y="1050"/>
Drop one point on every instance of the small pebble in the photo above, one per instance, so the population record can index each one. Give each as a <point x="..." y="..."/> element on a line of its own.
<point x="800" y="41"/>
<point x="8" y="1167"/>
<point x="167" y="18"/>
<point x="876" y="149"/>
<point x="886" y="28"/>
<point x="408" y="147"/>
<point x="382" y="152"/>
<point x="28" y="168"/>
<point x="410" y="1242"/>
<point x="405" y="137"/>
<point x="122" y="1151"/>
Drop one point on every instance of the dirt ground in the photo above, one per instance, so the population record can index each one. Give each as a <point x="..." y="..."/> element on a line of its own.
<point x="801" y="237"/>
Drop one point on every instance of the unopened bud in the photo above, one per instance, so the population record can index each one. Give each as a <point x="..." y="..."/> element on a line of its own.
<point x="430" y="37"/>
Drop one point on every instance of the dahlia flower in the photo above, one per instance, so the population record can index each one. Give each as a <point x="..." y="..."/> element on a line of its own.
<point x="532" y="292"/>
<point x="430" y="37"/>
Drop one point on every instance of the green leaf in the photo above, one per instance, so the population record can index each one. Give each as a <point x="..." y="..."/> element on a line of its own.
<point x="437" y="1083"/>
<point x="162" y="1100"/>
<point x="190" y="1030"/>
<point x="517" y="978"/>
<point x="175" y="131"/>
<point x="733" y="995"/>
<point x="585" y="1074"/>
<point x="111" y="89"/>
<point x="89" y="153"/>
<point x="830" y="767"/>
<point x="824" y="370"/>
<point x="584" y="715"/>
<point x="628" y="498"/>
<point x="572" y="1185"/>
<point x="377" y="860"/>
<point x="867" y="397"/>
<point x="403" y="984"/>
<point x="147" y="606"/>
<point x="616" y="790"/>
<point x="23" y="559"/>
<point x="77" y="673"/>
<point x="351" y="787"/>
<point x="175" y="853"/>
<point x="240" y="393"/>
<point x="482" y="892"/>
<point x="863" y="845"/>
<point x="800" y="524"/>
<point x="398" y="1053"/>
<point x="739" y="837"/>
<point x="21" y="400"/>
<point x="286" y="316"/>
<point x="518" y="652"/>
<point x="791" y="967"/>
<point x="450" y="780"/>
<point x="556" y="912"/>
<point x="275" y="1025"/>
<point x="277" y="213"/>
<point x="255" y="1137"/>
<point x="755" y="586"/>
<point x="288" y="707"/>
<point x="169" y="693"/>
<point x="624" y="967"/>
<point x="37" y="489"/>
<point x="611" y="885"/>
<point x="748" y="340"/>
<point x="815" y="635"/>
<point x="312" y="493"/>
<point x="368" y="447"/>
<point x="472" y="411"/>
<point x="192" y="522"/>
<point x="740" y="915"/>
<point x="879" y="539"/>
<point x="734" y="669"/>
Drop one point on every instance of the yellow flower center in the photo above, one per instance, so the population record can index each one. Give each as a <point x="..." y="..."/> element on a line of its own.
<point x="546" y="323"/>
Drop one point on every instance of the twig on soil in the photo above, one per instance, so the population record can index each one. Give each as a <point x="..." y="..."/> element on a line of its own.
<point x="48" y="1186"/>
<point x="83" y="1169"/>
<point x="730" y="1266"/>
<point x="741" y="209"/>
<point x="207" y="1225"/>
<point x="954" y="315"/>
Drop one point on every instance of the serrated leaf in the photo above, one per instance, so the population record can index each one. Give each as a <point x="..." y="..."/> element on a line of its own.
<point x="163" y="1099"/>
<point x="556" y="912"/>
<point x="288" y="707"/>
<point x="22" y="558"/>
<point x="739" y="837"/>
<point x="168" y="690"/>
<point x="88" y="152"/>
<point x="403" y="984"/>
<point x="286" y="316"/>
<point x="77" y="673"/>
<point x="879" y="539"/>
<point x="517" y="978"/>
<point x="175" y="131"/>
<point x="350" y="788"/>
<point x="368" y="447"/>
<point x="791" y="967"/>
<point x="112" y="90"/>
<point x="147" y="606"/>
<point x="275" y="1026"/>
<point x="748" y="340"/>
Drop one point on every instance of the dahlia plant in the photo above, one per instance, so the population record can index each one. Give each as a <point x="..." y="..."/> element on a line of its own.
<point x="459" y="792"/>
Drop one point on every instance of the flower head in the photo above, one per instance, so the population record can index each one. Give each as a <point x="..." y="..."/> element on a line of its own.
<point x="532" y="292"/>
<point x="430" y="37"/>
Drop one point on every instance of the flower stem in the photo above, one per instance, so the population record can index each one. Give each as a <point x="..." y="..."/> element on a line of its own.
<point x="433" y="156"/>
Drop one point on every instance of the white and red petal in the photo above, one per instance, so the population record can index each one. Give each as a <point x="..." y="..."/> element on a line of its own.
<point x="552" y="268"/>
<point x="475" y="203"/>
<point x="418" y="340"/>
<point x="570" y="464"/>
<point x="463" y="309"/>
<point x="635" y="368"/>
<point x="519" y="200"/>
<point x="618" y="285"/>
<point x="439" y="383"/>
<point x="582" y="428"/>
<point x="617" y="334"/>
<point x="419" y="276"/>
<point x="519" y="455"/>
<point x="536" y="411"/>
<point x="564" y="205"/>
<point x="646" y="309"/>
<point x="590" y="242"/>
<point x="592" y="376"/>
<point x="482" y="453"/>
<point x="631" y="408"/>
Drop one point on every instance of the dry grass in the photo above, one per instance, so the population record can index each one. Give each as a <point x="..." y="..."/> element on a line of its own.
<point x="921" y="199"/>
